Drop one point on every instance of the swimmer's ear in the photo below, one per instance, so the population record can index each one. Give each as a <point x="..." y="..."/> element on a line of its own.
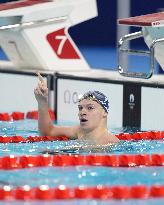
<point x="105" y="114"/>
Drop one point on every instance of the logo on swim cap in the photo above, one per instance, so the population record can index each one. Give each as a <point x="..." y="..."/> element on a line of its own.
<point x="97" y="96"/>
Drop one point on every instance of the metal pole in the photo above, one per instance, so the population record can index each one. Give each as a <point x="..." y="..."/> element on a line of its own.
<point x="123" y="11"/>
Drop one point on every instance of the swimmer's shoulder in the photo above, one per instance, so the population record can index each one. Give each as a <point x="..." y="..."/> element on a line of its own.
<point x="75" y="132"/>
<point x="113" y="138"/>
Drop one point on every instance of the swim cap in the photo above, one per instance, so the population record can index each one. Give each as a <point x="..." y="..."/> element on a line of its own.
<point x="98" y="97"/>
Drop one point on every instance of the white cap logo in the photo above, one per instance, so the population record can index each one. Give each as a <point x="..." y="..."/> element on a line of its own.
<point x="131" y="98"/>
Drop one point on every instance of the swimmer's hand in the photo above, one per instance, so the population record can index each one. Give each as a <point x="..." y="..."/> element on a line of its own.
<point x="41" y="91"/>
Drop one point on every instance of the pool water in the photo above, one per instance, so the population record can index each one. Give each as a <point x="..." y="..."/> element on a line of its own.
<point x="73" y="176"/>
<point x="82" y="175"/>
<point x="27" y="128"/>
<point x="72" y="147"/>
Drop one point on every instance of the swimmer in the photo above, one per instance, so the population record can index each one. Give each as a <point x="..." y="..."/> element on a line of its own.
<point x="93" y="109"/>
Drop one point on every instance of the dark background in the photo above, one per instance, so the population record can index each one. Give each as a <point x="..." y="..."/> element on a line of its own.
<point x="101" y="31"/>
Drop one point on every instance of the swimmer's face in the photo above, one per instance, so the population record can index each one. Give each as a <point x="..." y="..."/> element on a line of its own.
<point x="90" y="114"/>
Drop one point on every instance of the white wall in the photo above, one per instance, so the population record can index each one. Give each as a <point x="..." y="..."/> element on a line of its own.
<point x="152" y="112"/>
<point x="16" y="92"/>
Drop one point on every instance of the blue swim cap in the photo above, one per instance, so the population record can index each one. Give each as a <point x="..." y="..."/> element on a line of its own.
<point x="98" y="97"/>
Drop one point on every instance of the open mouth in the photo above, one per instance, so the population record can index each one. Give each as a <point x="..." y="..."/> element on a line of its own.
<point x="83" y="120"/>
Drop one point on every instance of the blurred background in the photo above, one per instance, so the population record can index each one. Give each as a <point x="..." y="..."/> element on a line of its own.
<point x="97" y="38"/>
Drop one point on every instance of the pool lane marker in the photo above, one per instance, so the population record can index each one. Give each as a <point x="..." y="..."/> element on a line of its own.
<point x="15" y="116"/>
<point x="46" y="160"/>
<point x="99" y="192"/>
<point x="30" y="139"/>
<point x="149" y="135"/>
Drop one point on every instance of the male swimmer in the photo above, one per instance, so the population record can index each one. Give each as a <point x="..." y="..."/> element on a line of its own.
<point x="93" y="111"/>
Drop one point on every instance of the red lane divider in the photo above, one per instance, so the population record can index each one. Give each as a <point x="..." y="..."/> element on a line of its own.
<point x="22" y="115"/>
<point x="123" y="136"/>
<point x="5" y="117"/>
<point x="44" y="192"/>
<point x="17" y="115"/>
<point x="149" y="135"/>
<point x="28" y="161"/>
<point x="29" y="139"/>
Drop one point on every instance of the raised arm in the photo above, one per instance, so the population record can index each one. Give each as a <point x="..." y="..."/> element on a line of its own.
<point x="45" y="124"/>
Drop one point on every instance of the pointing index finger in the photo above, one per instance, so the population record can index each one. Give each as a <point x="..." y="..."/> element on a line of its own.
<point x="40" y="77"/>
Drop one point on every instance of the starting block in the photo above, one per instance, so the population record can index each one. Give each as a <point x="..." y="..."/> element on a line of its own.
<point x="152" y="30"/>
<point x="34" y="33"/>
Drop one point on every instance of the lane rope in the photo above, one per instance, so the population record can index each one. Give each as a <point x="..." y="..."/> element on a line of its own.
<point x="44" y="192"/>
<point x="46" y="160"/>
<point x="14" y="116"/>
<point x="150" y="135"/>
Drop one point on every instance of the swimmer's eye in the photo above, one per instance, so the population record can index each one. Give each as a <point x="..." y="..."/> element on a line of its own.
<point x="90" y="107"/>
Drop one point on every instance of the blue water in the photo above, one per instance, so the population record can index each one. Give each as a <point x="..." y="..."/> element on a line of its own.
<point x="82" y="175"/>
<point x="72" y="147"/>
<point x="90" y="202"/>
<point x="79" y="175"/>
